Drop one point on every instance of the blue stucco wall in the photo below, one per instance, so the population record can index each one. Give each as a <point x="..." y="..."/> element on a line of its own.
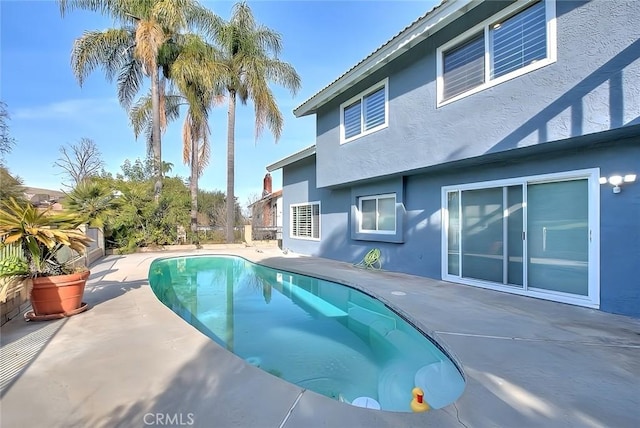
<point x="420" y="253"/>
<point x="299" y="186"/>
<point x="592" y="87"/>
<point x="394" y="185"/>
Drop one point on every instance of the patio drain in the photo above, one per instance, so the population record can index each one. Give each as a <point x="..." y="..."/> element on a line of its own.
<point x="398" y="293"/>
<point x="17" y="355"/>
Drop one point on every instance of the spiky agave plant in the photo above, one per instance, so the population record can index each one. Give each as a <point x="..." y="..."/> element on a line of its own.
<point x="40" y="234"/>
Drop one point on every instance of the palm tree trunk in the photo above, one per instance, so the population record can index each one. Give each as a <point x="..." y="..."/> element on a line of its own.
<point x="156" y="144"/>
<point x="193" y="185"/>
<point x="231" y="200"/>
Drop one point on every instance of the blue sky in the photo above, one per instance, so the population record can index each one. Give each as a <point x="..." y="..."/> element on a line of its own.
<point x="48" y="109"/>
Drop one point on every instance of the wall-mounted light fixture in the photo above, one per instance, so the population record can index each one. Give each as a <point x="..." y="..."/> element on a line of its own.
<point x="617" y="180"/>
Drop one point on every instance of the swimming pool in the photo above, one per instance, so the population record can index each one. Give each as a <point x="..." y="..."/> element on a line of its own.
<point x="317" y="334"/>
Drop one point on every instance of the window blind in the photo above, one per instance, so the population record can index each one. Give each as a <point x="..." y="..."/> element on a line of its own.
<point x="352" y="120"/>
<point x="463" y="67"/>
<point x="374" y="109"/>
<point x="519" y="40"/>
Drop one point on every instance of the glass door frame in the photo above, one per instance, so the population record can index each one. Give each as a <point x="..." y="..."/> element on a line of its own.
<point x="592" y="176"/>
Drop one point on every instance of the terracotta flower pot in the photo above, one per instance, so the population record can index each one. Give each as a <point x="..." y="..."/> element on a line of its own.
<point x="59" y="294"/>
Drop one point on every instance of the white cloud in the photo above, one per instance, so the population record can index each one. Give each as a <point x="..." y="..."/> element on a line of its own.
<point x="68" y="109"/>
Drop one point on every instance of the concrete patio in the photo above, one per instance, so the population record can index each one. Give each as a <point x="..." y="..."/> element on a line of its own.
<point x="131" y="362"/>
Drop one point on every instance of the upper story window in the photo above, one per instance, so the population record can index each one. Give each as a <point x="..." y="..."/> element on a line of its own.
<point x="377" y="214"/>
<point x="365" y="113"/>
<point x="305" y="220"/>
<point x="509" y="44"/>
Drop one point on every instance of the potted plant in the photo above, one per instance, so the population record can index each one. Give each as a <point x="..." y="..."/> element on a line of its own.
<point x="57" y="285"/>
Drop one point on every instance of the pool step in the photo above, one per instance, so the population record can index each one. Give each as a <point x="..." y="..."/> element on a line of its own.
<point x="304" y="298"/>
<point x="371" y="319"/>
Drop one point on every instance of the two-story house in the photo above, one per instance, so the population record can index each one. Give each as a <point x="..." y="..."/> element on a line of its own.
<point x="490" y="143"/>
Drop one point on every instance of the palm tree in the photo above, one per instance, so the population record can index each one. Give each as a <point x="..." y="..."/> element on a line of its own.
<point x="93" y="202"/>
<point x="197" y="73"/>
<point x="194" y="68"/>
<point x="251" y="52"/>
<point x="167" y="167"/>
<point x="132" y="51"/>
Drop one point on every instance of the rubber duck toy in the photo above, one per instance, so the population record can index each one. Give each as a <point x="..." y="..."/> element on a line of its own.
<point x="418" y="404"/>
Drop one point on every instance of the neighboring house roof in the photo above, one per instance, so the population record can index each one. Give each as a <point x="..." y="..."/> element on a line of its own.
<point x="304" y="153"/>
<point x="44" y="197"/>
<point x="267" y="198"/>
<point x="423" y="27"/>
<point x="40" y="191"/>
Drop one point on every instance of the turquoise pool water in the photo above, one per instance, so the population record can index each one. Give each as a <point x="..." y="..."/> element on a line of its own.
<point x="319" y="335"/>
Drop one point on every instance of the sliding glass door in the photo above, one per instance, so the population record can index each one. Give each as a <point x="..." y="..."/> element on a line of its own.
<point x="558" y="244"/>
<point x="482" y="234"/>
<point x="531" y="236"/>
<point x="485" y="234"/>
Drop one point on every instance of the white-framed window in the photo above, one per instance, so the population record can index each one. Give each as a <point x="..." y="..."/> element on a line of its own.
<point x="377" y="214"/>
<point x="365" y="113"/>
<point x="520" y="236"/>
<point x="518" y="40"/>
<point x="305" y="220"/>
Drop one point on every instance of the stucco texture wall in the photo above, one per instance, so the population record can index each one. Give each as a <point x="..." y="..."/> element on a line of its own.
<point x="593" y="86"/>
<point x="420" y="253"/>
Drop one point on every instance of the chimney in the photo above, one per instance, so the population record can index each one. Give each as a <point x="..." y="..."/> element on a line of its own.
<point x="266" y="185"/>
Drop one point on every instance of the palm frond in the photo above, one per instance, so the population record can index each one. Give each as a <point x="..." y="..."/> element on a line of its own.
<point x="129" y="81"/>
<point x="205" y="20"/>
<point x="168" y="53"/>
<point x="195" y="136"/>
<point x="117" y="9"/>
<point x="171" y="13"/>
<point x="138" y="10"/>
<point x="140" y="114"/>
<point x="149" y="38"/>
<point x="283" y="74"/>
<point x="268" y="40"/>
<point x="118" y="55"/>
<point x="187" y="139"/>
<point x="242" y="17"/>
<point x="91" y="5"/>
<point x="205" y="150"/>
<point x="266" y="109"/>
<point x="198" y="65"/>
<point x="172" y="103"/>
<point x="107" y="49"/>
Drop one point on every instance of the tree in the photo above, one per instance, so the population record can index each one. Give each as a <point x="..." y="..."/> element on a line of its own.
<point x="80" y="161"/>
<point x="6" y="141"/>
<point x="132" y="51"/>
<point x="247" y="212"/>
<point x="127" y="206"/>
<point x="10" y="186"/>
<point x="93" y="201"/>
<point x="137" y="171"/>
<point x="212" y="205"/>
<point x="197" y="73"/>
<point x="251" y="52"/>
<point x="195" y="70"/>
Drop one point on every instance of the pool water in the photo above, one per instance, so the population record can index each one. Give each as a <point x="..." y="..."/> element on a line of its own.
<point x="317" y="334"/>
